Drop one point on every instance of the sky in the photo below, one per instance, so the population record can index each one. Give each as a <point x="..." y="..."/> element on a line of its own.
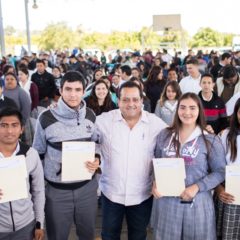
<point x="123" y="15"/>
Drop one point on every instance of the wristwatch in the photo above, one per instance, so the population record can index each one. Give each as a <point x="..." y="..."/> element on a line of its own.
<point x="38" y="225"/>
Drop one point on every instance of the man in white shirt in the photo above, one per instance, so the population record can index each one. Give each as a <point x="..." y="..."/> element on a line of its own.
<point x="127" y="138"/>
<point x="191" y="83"/>
<point x="125" y="74"/>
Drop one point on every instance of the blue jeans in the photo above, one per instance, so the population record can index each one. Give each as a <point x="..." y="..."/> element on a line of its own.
<point x="137" y="218"/>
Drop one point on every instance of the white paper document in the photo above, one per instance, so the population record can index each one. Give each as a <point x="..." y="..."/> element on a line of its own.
<point x="74" y="157"/>
<point x="169" y="176"/>
<point x="13" y="178"/>
<point x="232" y="182"/>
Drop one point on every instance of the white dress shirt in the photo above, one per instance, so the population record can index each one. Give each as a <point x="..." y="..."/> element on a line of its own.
<point x="127" y="156"/>
<point x="190" y="84"/>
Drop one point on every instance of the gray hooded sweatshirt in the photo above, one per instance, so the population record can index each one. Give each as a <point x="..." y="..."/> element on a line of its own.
<point x="67" y="124"/>
<point x="15" y="215"/>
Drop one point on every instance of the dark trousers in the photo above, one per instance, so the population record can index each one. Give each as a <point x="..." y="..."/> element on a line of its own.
<point x="137" y="217"/>
<point x="64" y="207"/>
<point x="25" y="233"/>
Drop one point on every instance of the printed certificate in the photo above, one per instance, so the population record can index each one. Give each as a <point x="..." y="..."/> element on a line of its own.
<point x="169" y="176"/>
<point x="74" y="157"/>
<point x="13" y="178"/>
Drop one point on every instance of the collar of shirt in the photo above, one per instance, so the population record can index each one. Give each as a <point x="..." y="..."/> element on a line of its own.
<point x="143" y="117"/>
<point x="14" y="153"/>
<point x="2" y="97"/>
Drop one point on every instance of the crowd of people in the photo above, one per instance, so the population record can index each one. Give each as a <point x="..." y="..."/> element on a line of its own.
<point x="135" y="107"/>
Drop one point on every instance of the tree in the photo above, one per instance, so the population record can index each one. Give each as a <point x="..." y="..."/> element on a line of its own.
<point x="207" y="37"/>
<point x="57" y="36"/>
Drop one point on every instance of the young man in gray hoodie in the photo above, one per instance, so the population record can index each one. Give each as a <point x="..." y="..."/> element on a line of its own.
<point x="67" y="202"/>
<point x="21" y="219"/>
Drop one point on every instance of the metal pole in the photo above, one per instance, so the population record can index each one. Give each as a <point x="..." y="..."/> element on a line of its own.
<point x="27" y="28"/>
<point x="2" y="32"/>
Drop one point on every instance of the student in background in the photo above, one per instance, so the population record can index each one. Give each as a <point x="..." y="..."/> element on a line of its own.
<point x="214" y="107"/>
<point x="100" y="99"/>
<point x="167" y="104"/>
<point x="227" y="213"/>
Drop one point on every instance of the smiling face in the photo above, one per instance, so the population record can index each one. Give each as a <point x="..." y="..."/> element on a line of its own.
<point x="72" y="93"/>
<point x="170" y="93"/>
<point x="101" y="91"/>
<point x="98" y="75"/>
<point x="188" y="112"/>
<point x="130" y="103"/>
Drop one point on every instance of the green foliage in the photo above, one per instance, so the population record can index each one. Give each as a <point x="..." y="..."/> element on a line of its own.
<point x="60" y="36"/>
<point x="57" y="36"/>
<point x="207" y="37"/>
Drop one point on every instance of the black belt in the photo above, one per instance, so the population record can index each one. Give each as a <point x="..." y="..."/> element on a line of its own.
<point x="69" y="186"/>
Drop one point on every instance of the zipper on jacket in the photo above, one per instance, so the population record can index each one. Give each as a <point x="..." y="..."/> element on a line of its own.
<point x="11" y="211"/>
<point x="78" y="122"/>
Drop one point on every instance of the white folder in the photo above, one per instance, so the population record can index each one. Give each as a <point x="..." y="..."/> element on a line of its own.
<point x="169" y="176"/>
<point x="13" y="178"/>
<point x="232" y="182"/>
<point x="74" y="158"/>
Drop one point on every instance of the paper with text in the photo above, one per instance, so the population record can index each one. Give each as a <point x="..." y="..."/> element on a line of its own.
<point x="74" y="157"/>
<point x="169" y="176"/>
<point x="232" y="182"/>
<point x="13" y="178"/>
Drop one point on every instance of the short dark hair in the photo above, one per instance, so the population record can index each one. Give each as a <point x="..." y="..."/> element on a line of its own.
<point x="40" y="61"/>
<point x="126" y="69"/>
<point x="207" y="75"/>
<point x="72" y="76"/>
<point x="229" y="71"/>
<point x="11" y="111"/>
<point x="193" y="61"/>
<point x="225" y="55"/>
<point x="130" y="84"/>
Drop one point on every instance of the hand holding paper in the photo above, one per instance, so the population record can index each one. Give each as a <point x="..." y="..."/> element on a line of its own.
<point x="75" y="158"/>
<point x="232" y="183"/>
<point x="13" y="178"/>
<point x="169" y="176"/>
<point x="93" y="166"/>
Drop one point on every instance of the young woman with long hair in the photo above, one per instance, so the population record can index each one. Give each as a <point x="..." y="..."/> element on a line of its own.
<point x="190" y="215"/>
<point x="167" y="104"/>
<point x="100" y="99"/>
<point x="154" y="85"/>
<point x="228" y="214"/>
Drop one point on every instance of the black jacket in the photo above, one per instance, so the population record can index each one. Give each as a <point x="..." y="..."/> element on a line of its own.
<point x="46" y="84"/>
